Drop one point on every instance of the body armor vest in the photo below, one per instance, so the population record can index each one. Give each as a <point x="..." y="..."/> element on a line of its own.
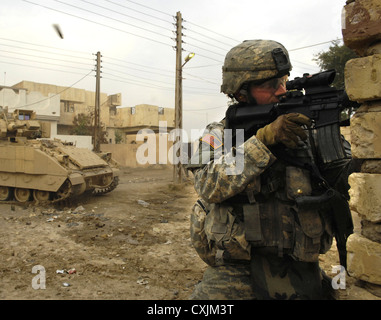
<point x="273" y="216"/>
<point x="290" y="209"/>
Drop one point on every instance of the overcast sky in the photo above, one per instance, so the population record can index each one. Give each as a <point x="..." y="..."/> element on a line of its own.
<point x="135" y="39"/>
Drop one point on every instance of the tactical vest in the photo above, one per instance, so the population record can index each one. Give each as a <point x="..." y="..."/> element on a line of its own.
<point x="273" y="218"/>
<point x="285" y="211"/>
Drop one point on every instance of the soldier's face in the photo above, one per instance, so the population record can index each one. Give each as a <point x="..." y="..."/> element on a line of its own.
<point x="269" y="91"/>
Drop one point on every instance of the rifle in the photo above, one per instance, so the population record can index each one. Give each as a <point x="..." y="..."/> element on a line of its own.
<point x="311" y="95"/>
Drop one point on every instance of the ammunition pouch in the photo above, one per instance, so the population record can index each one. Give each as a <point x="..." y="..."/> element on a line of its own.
<point x="284" y="216"/>
<point x="217" y="235"/>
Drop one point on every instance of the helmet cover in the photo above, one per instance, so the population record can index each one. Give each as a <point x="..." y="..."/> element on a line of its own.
<point x="254" y="60"/>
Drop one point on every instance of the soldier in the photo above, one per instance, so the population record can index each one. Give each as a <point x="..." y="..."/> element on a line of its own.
<point x="246" y="225"/>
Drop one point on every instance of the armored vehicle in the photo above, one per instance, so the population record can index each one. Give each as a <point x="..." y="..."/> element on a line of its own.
<point x="45" y="170"/>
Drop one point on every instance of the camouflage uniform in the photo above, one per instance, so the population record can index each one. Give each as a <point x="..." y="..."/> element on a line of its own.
<point x="245" y="226"/>
<point x="219" y="233"/>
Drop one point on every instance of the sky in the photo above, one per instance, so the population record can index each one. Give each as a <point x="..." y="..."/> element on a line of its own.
<point x="136" y="41"/>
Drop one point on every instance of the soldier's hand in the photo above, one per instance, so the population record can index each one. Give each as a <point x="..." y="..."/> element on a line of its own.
<point x="285" y="129"/>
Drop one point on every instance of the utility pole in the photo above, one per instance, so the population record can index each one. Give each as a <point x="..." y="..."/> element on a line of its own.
<point x="177" y="174"/>
<point x="97" y="105"/>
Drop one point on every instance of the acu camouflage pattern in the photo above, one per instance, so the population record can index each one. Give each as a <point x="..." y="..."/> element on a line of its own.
<point x="214" y="185"/>
<point x="212" y="234"/>
<point x="268" y="277"/>
<point x="211" y="167"/>
<point x="228" y="282"/>
<point x="220" y="237"/>
<point x="251" y="60"/>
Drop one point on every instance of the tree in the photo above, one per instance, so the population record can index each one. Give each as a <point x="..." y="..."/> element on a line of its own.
<point x="335" y="58"/>
<point x="118" y="136"/>
<point x="82" y="125"/>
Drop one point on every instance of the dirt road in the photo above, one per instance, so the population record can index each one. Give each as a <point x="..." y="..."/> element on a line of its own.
<point x="132" y="243"/>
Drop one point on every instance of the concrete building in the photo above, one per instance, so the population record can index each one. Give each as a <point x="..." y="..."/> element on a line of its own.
<point x="72" y="102"/>
<point x="48" y="106"/>
<point x="128" y="121"/>
<point x="58" y="107"/>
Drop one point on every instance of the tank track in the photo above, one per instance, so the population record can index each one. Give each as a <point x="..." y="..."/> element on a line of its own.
<point x="36" y="202"/>
<point x="63" y="196"/>
<point x="109" y="188"/>
<point x="56" y="199"/>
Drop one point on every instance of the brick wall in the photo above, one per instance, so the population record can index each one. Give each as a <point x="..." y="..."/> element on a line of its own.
<point x="362" y="33"/>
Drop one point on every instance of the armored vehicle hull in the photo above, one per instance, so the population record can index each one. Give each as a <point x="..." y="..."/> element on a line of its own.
<point x="48" y="170"/>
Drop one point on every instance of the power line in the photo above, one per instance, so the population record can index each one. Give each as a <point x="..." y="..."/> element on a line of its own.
<point x="220" y="34"/>
<point x="312" y="45"/>
<point x="131" y="75"/>
<point x="206" y="57"/>
<point x="142" y="5"/>
<point x="44" y="62"/>
<point x="136" y="64"/>
<point x="149" y="15"/>
<point x="206" y="66"/>
<point x="146" y="71"/>
<point x="80" y="63"/>
<point x="306" y="64"/>
<point x="200" y="78"/>
<point x="204" y="42"/>
<point x="67" y="88"/>
<point x="126" y="15"/>
<point x="137" y="83"/>
<point x="24" y="48"/>
<point x="26" y="65"/>
<point x="210" y="38"/>
<point x="184" y="21"/>
<point x="114" y="28"/>
<point x="42" y="57"/>
<point x="190" y="44"/>
<point x="160" y="27"/>
<point x="150" y="72"/>
<point x="107" y="17"/>
<point x="77" y="57"/>
<point x="193" y="45"/>
<point x="98" y="23"/>
<point x="41" y="45"/>
<point x="149" y="80"/>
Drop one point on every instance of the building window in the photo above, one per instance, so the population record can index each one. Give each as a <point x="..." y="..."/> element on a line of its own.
<point x="132" y="110"/>
<point x="68" y="106"/>
<point x="161" y="110"/>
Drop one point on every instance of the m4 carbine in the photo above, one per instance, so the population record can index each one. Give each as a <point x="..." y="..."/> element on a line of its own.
<point x="311" y="95"/>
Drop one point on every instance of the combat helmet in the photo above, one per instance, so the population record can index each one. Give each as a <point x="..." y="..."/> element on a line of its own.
<point x="254" y="60"/>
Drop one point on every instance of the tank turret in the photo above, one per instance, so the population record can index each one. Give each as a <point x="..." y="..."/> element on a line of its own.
<point x="20" y="123"/>
<point x="47" y="170"/>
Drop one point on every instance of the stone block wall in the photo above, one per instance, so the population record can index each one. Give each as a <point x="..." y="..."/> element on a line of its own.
<point x="362" y="33"/>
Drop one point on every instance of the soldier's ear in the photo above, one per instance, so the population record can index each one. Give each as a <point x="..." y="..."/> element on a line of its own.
<point x="241" y="95"/>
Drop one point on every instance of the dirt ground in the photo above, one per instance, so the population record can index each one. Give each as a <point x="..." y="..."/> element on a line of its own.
<point x="130" y="244"/>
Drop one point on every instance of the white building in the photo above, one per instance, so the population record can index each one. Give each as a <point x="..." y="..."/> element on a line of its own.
<point x="47" y="109"/>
